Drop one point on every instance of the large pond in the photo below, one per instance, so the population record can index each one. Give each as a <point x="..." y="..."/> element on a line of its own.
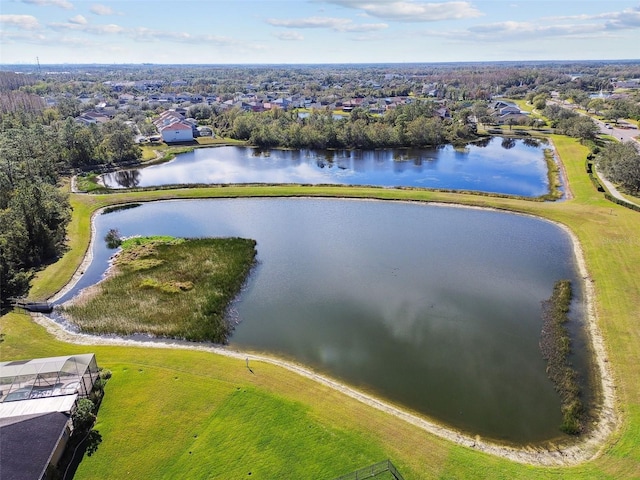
<point x="498" y="165"/>
<point x="435" y="308"/>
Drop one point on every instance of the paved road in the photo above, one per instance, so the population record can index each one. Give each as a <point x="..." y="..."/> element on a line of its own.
<point x="613" y="190"/>
<point x="622" y="134"/>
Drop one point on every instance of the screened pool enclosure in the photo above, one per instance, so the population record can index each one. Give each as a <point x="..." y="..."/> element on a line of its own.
<point x="47" y="377"/>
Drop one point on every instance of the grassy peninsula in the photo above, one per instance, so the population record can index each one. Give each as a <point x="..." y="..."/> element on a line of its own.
<point x="168" y="287"/>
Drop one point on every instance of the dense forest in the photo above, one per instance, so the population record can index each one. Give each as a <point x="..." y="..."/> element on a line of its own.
<point x="35" y="149"/>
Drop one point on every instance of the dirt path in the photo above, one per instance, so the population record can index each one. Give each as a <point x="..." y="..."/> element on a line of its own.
<point x="583" y="449"/>
<point x="564" y="178"/>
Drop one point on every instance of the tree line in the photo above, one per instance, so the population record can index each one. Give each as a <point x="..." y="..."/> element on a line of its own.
<point x="570" y="123"/>
<point x="34" y="210"/>
<point x="412" y="125"/>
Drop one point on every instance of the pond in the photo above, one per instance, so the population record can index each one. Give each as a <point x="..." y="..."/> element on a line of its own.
<point x="497" y="165"/>
<point x="434" y="308"/>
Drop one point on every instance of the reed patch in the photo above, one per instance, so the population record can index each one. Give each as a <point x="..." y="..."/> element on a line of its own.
<point x="555" y="344"/>
<point x="168" y="287"/>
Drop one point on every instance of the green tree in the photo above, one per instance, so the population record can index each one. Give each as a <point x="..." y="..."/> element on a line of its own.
<point x="620" y="163"/>
<point x="68" y="107"/>
<point x="540" y="101"/>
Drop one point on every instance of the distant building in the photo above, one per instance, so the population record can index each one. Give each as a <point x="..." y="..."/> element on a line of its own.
<point x="92" y="116"/>
<point x="503" y="112"/>
<point x="179" y="131"/>
<point x="631" y="83"/>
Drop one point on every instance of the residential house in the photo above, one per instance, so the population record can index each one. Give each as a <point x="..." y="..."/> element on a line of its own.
<point x="177" y="131"/>
<point x="91" y="116"/>
<point x="505" y="112"/>
<point x="32" y="444"/>
<point x="443" y="113"/>
<point x="37" y="399"/>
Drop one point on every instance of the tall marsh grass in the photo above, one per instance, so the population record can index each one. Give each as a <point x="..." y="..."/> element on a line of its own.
<point x="168" y="288"/>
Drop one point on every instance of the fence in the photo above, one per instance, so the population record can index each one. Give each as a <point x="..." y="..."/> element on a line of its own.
<point x="372" y="471"/>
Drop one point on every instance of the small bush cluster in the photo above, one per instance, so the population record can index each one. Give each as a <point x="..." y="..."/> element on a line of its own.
<point x="117" y="208"/>
<point x="613" y="199"/>
<point x="596" y="183"/>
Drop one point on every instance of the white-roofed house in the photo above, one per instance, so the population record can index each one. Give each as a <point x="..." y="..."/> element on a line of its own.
<point x="177" y="132"/>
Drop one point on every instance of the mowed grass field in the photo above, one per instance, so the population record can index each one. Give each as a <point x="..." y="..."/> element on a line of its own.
<point x="193" y="414"/>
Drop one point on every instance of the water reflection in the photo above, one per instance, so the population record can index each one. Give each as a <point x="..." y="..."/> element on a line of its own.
<point x="508" y="143"/>
<point x="510" y="166"/>
<point x="127" y="178"/>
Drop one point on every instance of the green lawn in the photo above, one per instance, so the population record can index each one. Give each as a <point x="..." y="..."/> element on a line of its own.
<point x="194" y="414"/>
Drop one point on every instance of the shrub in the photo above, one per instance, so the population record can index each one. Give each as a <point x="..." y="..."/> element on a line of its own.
<point x="84" y="417"/>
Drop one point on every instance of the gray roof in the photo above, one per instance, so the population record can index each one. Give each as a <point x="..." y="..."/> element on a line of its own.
<point x="27" y="444"/>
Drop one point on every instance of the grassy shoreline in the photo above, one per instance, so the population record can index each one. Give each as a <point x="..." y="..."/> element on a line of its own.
<point x="609" y="237"/>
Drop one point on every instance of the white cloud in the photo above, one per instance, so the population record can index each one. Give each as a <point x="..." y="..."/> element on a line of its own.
<point x="290" y="36"/>
<point x="23" y="37"/>
<point x="85" y="27"/>
<point x="366" y="27"/>
<point x="51" y="3"/>
<point x="78" y="20"/>
<point x="74" y="42"/>
<point x="148" y="34"/>
<point x="412" y="11"/>
<point x="99" y="9"/>
<point x="331" y="23"/>
<point x="624" y="20"/>
<point x="143" y="34"/>
<point x="111" y="28"/>
<point x="25" y="22"/>
<point x="514" y="31"/>
<point x="628" y="19"/>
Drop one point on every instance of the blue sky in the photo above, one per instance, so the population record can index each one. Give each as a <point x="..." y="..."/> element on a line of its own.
<point x="316" y="31"/>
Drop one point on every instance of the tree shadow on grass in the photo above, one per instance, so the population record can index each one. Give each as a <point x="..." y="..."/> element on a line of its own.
<point x="76" y="451"/>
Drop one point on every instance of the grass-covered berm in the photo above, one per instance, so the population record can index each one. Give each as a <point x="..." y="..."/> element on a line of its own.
<point x="167" y="287"/>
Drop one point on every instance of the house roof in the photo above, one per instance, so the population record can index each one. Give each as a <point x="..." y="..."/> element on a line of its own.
<point x="27" y="444"/>
<point x="38" y="406"/>
<point x="177" y="126"/>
